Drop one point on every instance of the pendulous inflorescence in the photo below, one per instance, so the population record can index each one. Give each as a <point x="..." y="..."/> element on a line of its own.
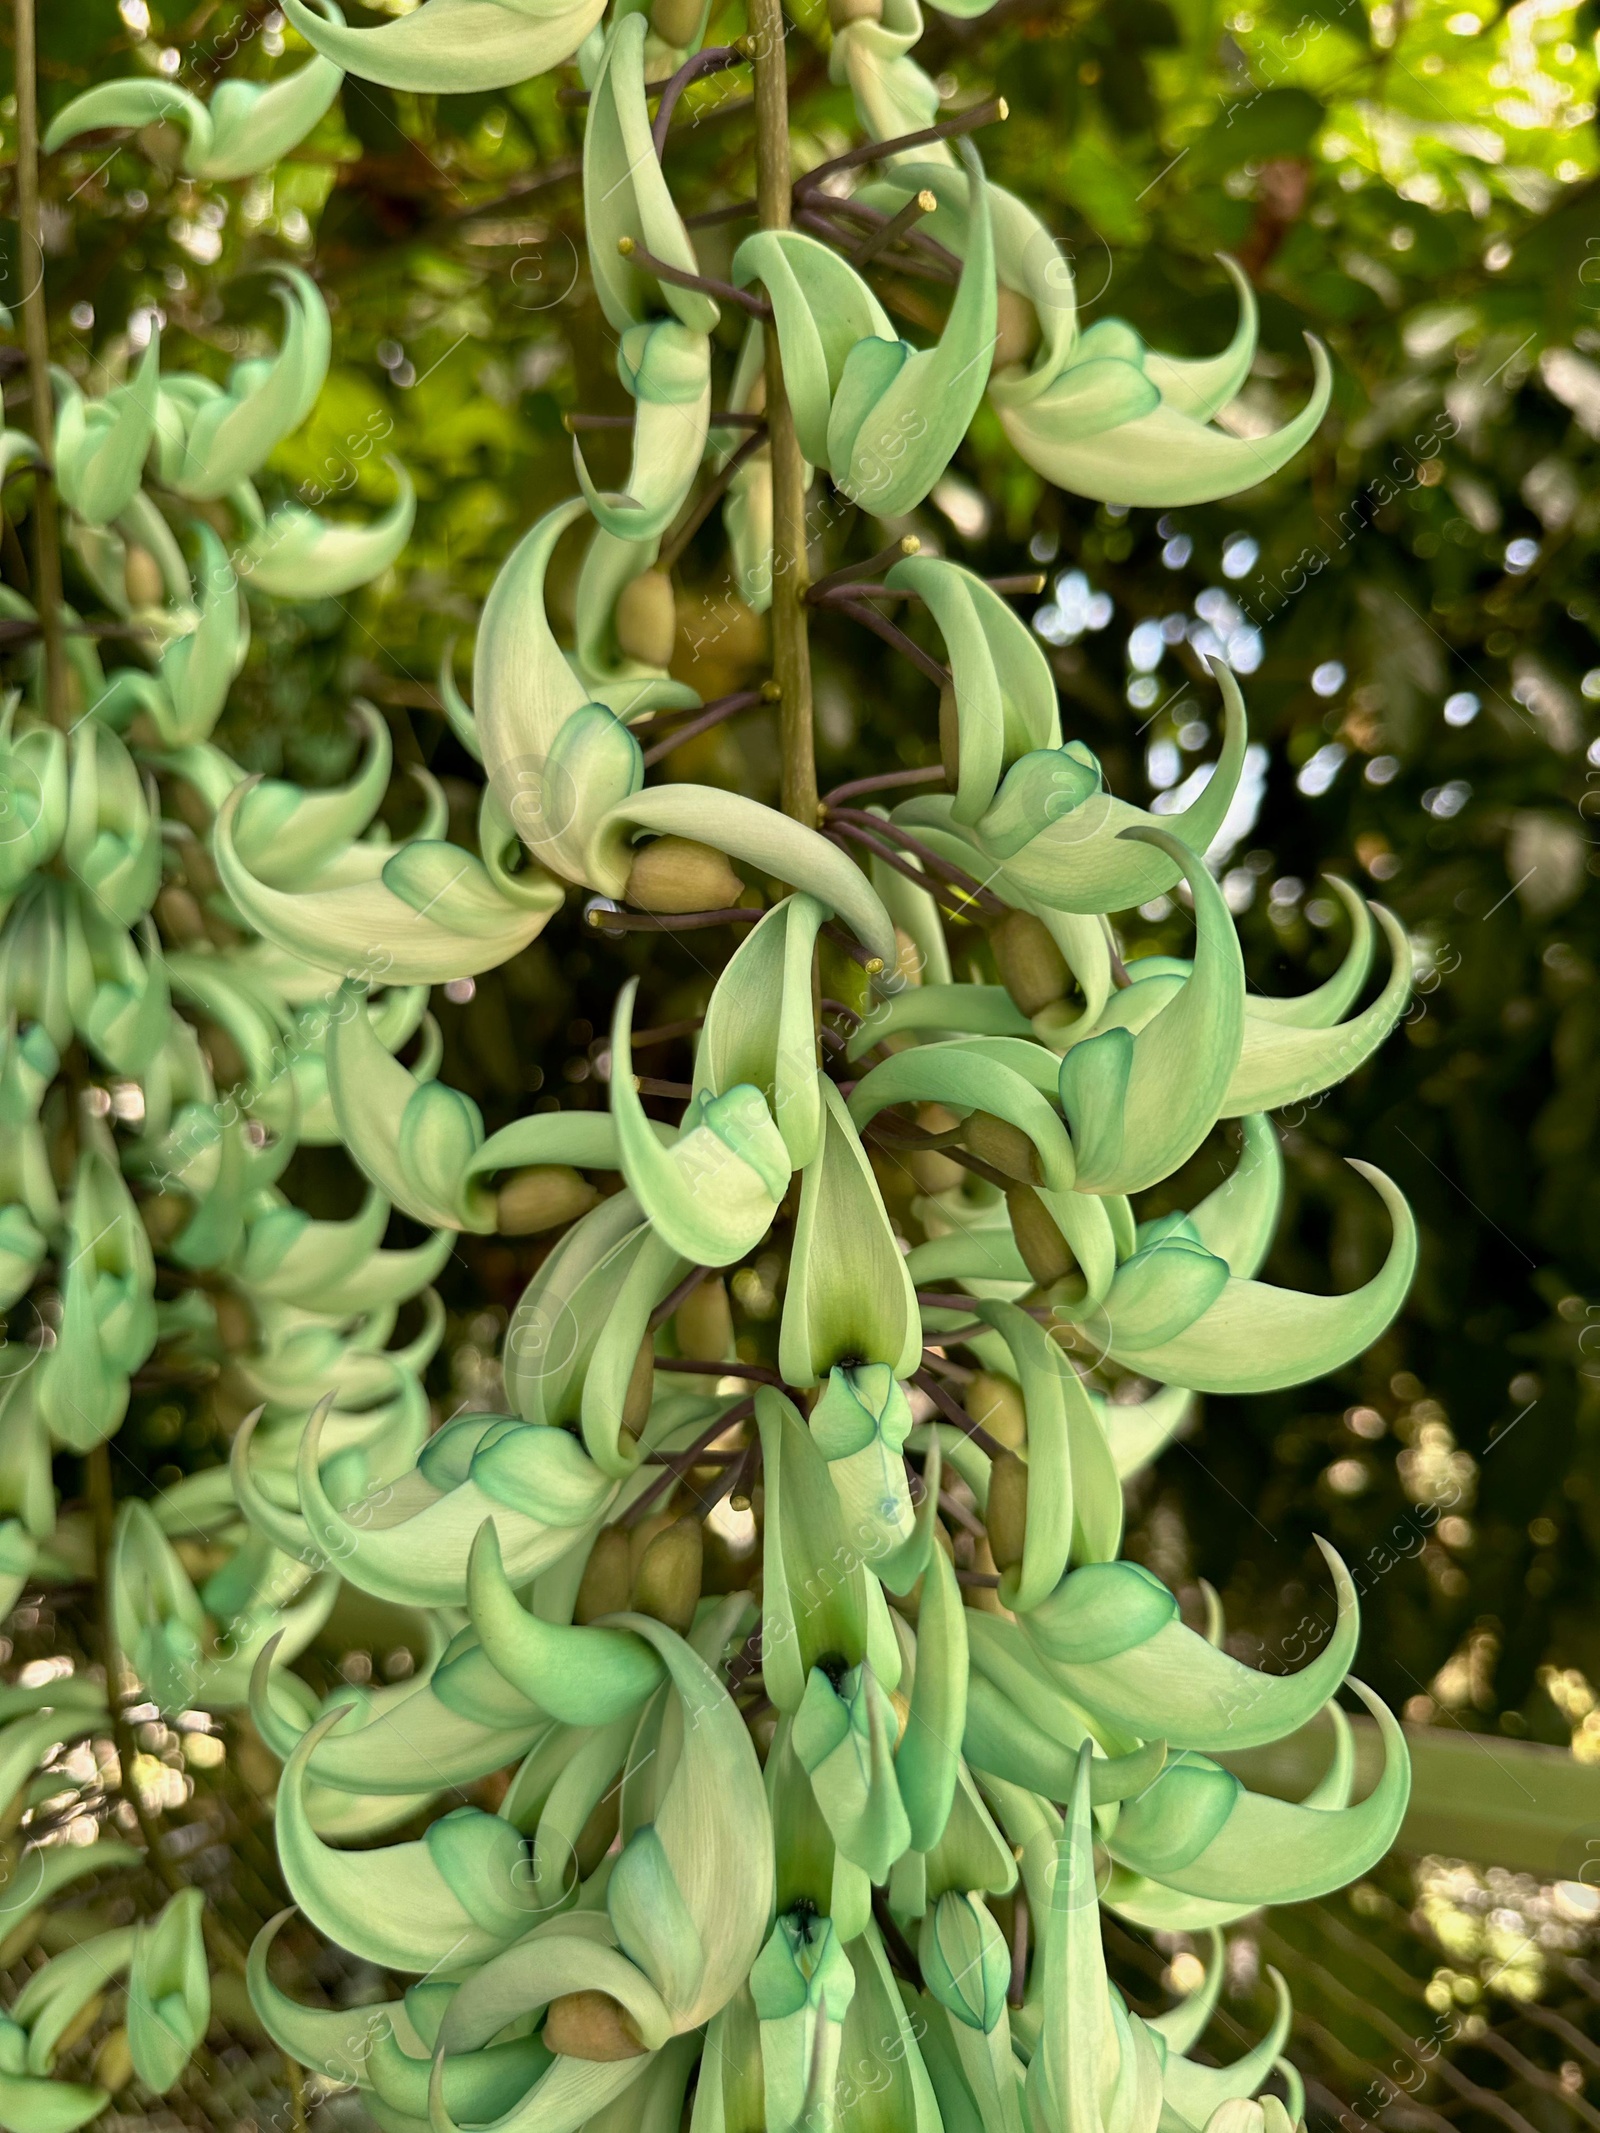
<point x="823" y="1711"/>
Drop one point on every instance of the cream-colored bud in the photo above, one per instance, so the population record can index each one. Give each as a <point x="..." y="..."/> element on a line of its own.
<point x="591" y="2025"/>
<point x="1032" y="968"/>
<point x="907" y="958"/>
<point x="607" y="1577"/>
<point x="934" y="1171"/>
<point x="675" y="874"/>
<point x="1006" y="1516"/>
<point x="647" y="618"/>
<point x="995" y="1404"/>
<point x="1016" y="329"/>
<point x="545" y="1197"/>
<point x="1045" y="1252"/>
<point x="949" y="736"/>
<point x="179" y="915"/>
<point x="841" y="13"/>
<point x="1003" y="1147"/>
<point x="81" y="2024"/>
<point x="164" y="1214"/>
<point x="141" y="578"/>
<point x="595" y="1838"/>
<point x="703" y="1322"/>
<point x="667" y="1583"/>
<point x="113" y="2062"/>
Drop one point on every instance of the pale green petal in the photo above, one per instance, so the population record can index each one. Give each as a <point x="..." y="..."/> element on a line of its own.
<point x="1201" y="385"/>
<point x="169" y="1992"/>
<point x="625" y="195"/>
<point x="743" y="1041"/>
<point x="893" y="433"/>
<point x="928" y="1759"/>
<point x="712" y="1195"/>
<point x="803" y="1527"/>
<point x="298" y="556"/>
<point x="1255" y="1338"/>
<point x="230" y="434"/>
<point x="1265" y="1850"/>
<point x="1005" y="693"/>
<point x="255" y="124"/>
<point x="1284" y="1062"/>
<point x="969" y="1080"/>
<point x="1176" y="1069"/>
<point x="821" y="309"/>
<point x="581" y="1676"/>
<point x="1176" y="1686"/>
<point x="100" y="445"/>
<point x="670" y="377"/>
<point x="133" y="102"/>
<point x="1165" y="458"/>
<point x="455" y="46"/>
<point x="849" y="1294"/>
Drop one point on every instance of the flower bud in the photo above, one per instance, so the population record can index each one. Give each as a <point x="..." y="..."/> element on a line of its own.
<point x="591" y="2025"/>
<point x="1245" y="2114"/>
<point x="995" y="1404"/>
<point x="667" y="1584"/>
<point x="179" y="916"/>
<point x="606" y="1577"/>
<point x="81" y="2024"/>
<point x="646" y="614"/>
<point x="703" y="1323"/>
<point x="595" y="1838"/>
<point x="1016" y="329"/>
<point x="546" y="1197"/>
<point x="641" y="1389"/>
<point x="1003" y="1147"/>
<point x="934" y="1171"/>
<point x="841" y="13"/>
<point x="162" y="143"/>
<point x="1006" y="1516"/>
<point x="113" y="2062"/>
<point x="673" y="874"/>
<point x="141" y="578"/>
<point x="164" y="1215"/>
<point x="949" y="736"/>
<point x="1046" y="1253"/>
<point x="1032" y="968"/>
<point x="964" y="1960"/>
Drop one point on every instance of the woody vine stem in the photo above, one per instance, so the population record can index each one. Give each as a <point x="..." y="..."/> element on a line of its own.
<point x="791" y="649"/>
<point x="36" y="341"/>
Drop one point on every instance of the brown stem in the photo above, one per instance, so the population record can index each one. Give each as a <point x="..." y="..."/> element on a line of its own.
<point x="715" y="60"/>
<point x="984" y="114"/>
<point x="36" y="339"/>
<point x="890" y="232"/>
<point x="881" y="626"/>
<point x="955" y="1414"/>
<point x="670" y="1302"/>
<point x="932" y="861"/>
<point x="700" y="510"/>
<point x="709" y="217"/>
<point x="853" y="573"/>
<point x="615" y="920"/>
<point x="791" y="649"/>
<point x="713" y="715"/>
<point x="682" y="278"/>
<point x="884" y="782"/>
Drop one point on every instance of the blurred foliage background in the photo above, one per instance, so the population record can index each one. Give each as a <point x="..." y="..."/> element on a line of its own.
<point x="1414" y="605"/>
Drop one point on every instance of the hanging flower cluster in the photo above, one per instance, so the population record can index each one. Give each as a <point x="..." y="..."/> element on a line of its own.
<point x="831" y="1714"/>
